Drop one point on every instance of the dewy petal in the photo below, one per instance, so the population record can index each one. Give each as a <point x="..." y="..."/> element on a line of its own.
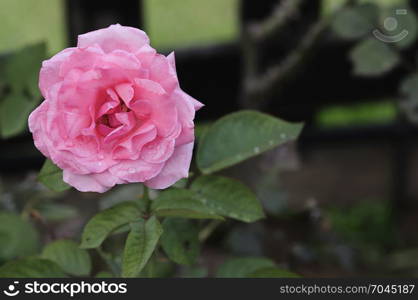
<point x="164" y="116"/>
<point x="161" y="72"/>
<point x="81" y="59"/>
<point x="107" y="107"/>
<point x="35" y="122"/>
<point x="157" y="103"/>
<point x="184" y="105"/>
<point x="131" y="147"/>
<point x="114" y="113"/>
<point x="175" y="168"/>
<point x="186" y="113"/>
<point x="127" y="121"/>
<point x="99" y="183"/>
<point x="186" y="136"/>
<point x="104" y="130"/>
<point x="141" y="108"/>
<point x="197" y="105"/>
<point x="158" y="151"/>
<point x="115" y="37"/>
<point x="122" y="59"/>
<point x="74" y="104"/>
<point x="135" y="170"/>
<point x="148" y="89"/>
<point x="172" y="60"/>
<point x="49" y="74"/>
<point x="146" y="55"/>
<point x="125" y="91"/>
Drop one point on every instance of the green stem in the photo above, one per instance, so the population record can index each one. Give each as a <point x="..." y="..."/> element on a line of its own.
<point x="144" y="202"/>
<point x="206" y="232"/>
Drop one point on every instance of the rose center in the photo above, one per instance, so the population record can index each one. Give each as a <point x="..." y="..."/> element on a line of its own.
<point x="109" y="119"/>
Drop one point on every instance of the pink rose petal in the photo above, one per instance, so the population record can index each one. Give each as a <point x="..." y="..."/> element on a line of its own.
<point x="114" y="113"/>
<point x="176" y="168"/>
<point x="114" y="37"/>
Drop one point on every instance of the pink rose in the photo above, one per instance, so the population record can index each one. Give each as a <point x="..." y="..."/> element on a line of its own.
<point x="114" y="113"/>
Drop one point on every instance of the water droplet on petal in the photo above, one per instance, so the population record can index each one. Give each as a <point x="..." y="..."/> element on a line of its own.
<point x="131" y="170"/>
<point x="101" y="156"/>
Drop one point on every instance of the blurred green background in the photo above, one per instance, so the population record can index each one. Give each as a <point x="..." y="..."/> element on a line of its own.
<point x="168" y="23"/>
<point x="340" y="192"/>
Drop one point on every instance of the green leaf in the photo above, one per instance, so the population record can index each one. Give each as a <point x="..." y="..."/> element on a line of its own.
<point x="69" y="257"/>
<point x="201" y="129"/>
<point x="194" y="272"/>
<point x="372" y="57"/>
<point x="51" y="176"/>
<point x="158" y="268"/>
<point x="180" y="241"/>
<point x="243" y="267"/>
<point x="181" y="203"/>
<point x="14" y="111"/>
<point x="239" y="136"/>
<point x="141" y="243"/>
<point x="22" y="69"/>
<point x="228" y="198"/>
<point x="330" y="7"/>
<point x="272" y="272"/>
<point x="17" y="237"/>
<point x="104" y="274"/>
<point x="31" y="268"/>
<point x="182" y="183"/>
<point x="106" y="221"/>
<point x="112" y="260"/>
<point x="356" y="21"/>
<point x="407" y="23"/>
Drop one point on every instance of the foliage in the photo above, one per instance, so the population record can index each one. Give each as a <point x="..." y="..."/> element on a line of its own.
<point x="363" y="224"/>
<point x="106" y="221"/>
<point x="12" y="229"/>
<point x="71" y="259"/>
<point x="20" y="76"/>
<point x="378" y="112"/>
<point x="180" y="240"/>
<point x="256" y="267"/>
<point x="51" y="176"/>
<point x="379" y="55"/>
<point x="145" y="233"/>
<point x="228" y="198"/>
<point x="224" y="145"/>
<point x="169" y="225"/>
<point x="372" y="57"/>
<point x="140" y="245"/>
<point x="31" y="268"/>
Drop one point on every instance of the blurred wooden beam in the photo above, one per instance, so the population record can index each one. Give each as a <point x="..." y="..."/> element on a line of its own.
<point x="84" y="16"/>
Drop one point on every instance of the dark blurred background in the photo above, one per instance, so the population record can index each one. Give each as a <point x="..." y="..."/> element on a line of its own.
<point x="342" y="201"/>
